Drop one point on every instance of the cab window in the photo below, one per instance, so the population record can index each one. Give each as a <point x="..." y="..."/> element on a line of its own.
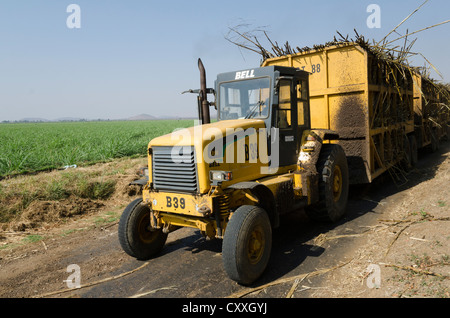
<point x="302" y="103"/>
<point x="284" y="119"/>
<point x="244" y="99"/>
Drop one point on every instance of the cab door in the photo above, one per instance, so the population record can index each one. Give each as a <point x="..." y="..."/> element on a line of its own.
<point x="286" y="121"/>
<point x="303" y="113"/>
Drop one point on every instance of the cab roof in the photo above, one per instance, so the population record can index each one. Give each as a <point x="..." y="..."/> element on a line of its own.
<point x="262" y="72"/>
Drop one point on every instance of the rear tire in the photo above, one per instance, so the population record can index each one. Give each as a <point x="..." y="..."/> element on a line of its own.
<point x="135" y="236"/>
<point x="333" y="185"/>
<point x="247" y="244"/>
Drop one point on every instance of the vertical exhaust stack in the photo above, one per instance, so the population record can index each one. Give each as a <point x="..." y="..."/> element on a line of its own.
<point x="203" y="99"/>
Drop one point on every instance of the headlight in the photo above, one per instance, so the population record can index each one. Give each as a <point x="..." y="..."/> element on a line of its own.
<point x="220" y="176"/>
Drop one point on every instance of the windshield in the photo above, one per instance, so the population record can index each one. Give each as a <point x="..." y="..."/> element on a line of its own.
<point x="244" y="99"/>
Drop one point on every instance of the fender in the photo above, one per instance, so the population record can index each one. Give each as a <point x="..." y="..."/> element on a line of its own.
<point x="310" y="151"/>
<point x="326" y="134"/>
<point x="265" y="196"/>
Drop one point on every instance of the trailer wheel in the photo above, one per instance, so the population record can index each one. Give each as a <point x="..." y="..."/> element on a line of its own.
<point x="135" y="236"/>
<point x="333" y="185"/>
<point x="414" y="150"/>
<point x="247" y="244"/>
<point x="434" y="141"/>
<point x="407" y="160"/>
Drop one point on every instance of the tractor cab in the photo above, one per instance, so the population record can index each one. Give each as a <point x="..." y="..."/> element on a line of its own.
<point x="276" y="95"/>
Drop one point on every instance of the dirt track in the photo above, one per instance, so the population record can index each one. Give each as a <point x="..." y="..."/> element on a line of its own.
<point x="403" y="231"/>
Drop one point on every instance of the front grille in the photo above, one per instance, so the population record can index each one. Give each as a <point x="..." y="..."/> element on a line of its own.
<point x="174" y="169"/>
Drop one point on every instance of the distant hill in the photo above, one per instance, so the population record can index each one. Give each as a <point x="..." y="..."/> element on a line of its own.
<point x="33" y="120"/>
<point x="69" y="119"/>
<point x="177" y="117"/>
<point x="142" y="117"/>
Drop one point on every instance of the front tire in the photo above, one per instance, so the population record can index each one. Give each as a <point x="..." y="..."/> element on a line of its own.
<point x="135" y="235"/>
<point x="247" y="244"/>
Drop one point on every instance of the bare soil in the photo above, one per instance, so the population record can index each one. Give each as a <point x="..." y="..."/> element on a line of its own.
<point x="35" y="246"/>
<point x="406" y="245"/>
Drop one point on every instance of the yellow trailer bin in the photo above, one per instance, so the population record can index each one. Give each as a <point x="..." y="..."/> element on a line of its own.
<point x="370" y="103"/>
<point x="431" y="112"/>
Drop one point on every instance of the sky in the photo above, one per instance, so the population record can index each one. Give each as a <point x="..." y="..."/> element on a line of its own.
<point x="134" y="57"/>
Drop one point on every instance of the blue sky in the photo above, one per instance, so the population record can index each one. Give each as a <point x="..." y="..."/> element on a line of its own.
<point x="133" y="57"/>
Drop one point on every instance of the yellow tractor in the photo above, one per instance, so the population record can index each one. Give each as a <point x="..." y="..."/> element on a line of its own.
<point x="232" y="179"/>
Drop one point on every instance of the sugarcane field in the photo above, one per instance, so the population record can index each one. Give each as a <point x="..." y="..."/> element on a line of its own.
<point x="265" y="164"/>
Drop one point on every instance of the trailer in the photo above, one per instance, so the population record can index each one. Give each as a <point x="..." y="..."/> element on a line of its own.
<point x="383" y="112"/>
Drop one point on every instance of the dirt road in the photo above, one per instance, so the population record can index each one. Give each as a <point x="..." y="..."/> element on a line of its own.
<point x="393" y="242"/>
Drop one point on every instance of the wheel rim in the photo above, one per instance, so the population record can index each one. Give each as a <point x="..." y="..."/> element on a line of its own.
<point x="255" y="247"/>
<point x="337" y="183"/>
<point x="145" y="235"/>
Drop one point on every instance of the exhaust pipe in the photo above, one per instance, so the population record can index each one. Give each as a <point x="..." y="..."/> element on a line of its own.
<point x="203" y="99"/>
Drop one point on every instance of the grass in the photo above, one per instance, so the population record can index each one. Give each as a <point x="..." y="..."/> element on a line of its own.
<point x="32" y="238"/>
<point x="109" y="217"/>
<point x="31" y="147"/>
<point x="424" y="214"/>
<point x="17" y="194"/>
<point x="70" y="231"/>
<point x="96" y="189"/>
